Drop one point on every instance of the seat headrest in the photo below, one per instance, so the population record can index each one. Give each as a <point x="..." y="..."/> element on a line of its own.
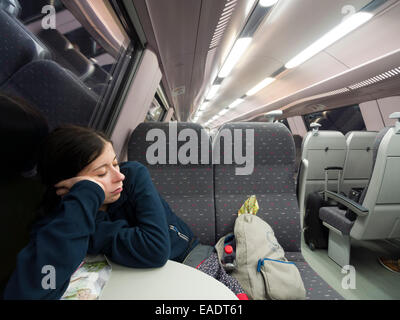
<point x="22" y="129"/>
<point x="273" y="142"/>
<point x="52" y="88"/>
<point x="192" y="135"/>
<point x="360" y="140"/>
<point x="18" y="46"/>
<point x="326" y="138"/>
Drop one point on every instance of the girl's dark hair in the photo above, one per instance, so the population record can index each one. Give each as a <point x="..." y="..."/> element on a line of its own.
<point x="64" y="153"/>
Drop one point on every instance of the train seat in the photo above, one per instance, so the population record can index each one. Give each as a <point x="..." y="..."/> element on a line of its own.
<point x="378" y="210"/>
<point x="22" y="129"/>
<point x="187" y="188"/>
<point x="57" y="93"/>
<point x="17" y="47"/>
<point x="76" y="62"/>
<point x="26" y="72"/>
<point x="272" y="181"/>
<point x="66" y="55"/>
<point x="359" y="159"/>
<point x="54" y="40"/>
<point x="321" y="149"/>
<point x="72" y="59"/>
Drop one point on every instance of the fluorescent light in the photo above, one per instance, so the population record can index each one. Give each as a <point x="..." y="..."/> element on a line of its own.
<point x="235" y="103"/>
<point x="213" y="91"/>
<point x="238" y="49"/>
<point x="332" y="36"/>
<point x="223" y="111"/>
<point x="248" y="7"/>
<point x="203" y="106"/>
<point x="260" y="86"/>
<point x="267" y="3"/>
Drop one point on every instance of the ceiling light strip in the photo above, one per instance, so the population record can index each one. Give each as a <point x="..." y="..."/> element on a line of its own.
<point x="329" y="38"/>
<point x="234" y="56"/>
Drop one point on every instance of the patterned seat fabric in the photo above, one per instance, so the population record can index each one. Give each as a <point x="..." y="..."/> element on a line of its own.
<point x="25" y="72"/>
<point x="188" y="188"/>
<point x="272" y="181"/>
<point x="58" y="94"/>
<point x="316" y="287"/>
<point x="16" y="47"/>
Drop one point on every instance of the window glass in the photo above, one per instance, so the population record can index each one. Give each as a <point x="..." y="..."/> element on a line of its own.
<point x="90" y="52"/>
<point x="343" y="119"/>
<point x="157" y="110"/>
<point x="86" y="39"/>
<point x="286" y="123"/>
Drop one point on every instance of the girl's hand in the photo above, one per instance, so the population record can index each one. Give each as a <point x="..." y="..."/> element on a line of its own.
<point x="64" y="186"/>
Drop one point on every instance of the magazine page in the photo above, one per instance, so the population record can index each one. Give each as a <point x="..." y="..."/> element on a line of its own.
<point x="89" y="279"/>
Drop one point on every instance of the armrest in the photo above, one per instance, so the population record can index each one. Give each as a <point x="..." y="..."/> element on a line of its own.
<point x="348" y="203"/>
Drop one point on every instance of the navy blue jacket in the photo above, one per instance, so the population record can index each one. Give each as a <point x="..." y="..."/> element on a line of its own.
<point x="138" y="230"/>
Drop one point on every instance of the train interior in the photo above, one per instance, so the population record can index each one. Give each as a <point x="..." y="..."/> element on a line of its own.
<point x="326" y="72"/>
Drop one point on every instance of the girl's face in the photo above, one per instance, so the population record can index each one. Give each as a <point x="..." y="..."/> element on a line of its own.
<point x="105" y="169"/>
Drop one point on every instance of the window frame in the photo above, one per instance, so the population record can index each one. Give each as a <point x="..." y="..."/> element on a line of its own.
<point x="307" y="122"/>
<point x="106" y="115"/>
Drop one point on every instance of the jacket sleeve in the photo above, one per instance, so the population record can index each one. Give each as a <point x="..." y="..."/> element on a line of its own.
<point x="144" y="245"/>
<point x="57" y="246"/>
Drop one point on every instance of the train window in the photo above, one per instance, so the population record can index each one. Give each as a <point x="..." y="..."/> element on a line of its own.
<point x="342" y="119"/>
<point x="85" y="43"/>
<point x="286" y="123"/>
<point x="88" y="40"/>
<point x="157" y="110"/>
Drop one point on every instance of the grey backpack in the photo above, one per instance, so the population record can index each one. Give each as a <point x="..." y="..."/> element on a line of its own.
<point x="261" y="267"/>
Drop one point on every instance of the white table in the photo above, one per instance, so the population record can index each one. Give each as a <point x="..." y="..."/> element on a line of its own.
<point x="173" y="281"/>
